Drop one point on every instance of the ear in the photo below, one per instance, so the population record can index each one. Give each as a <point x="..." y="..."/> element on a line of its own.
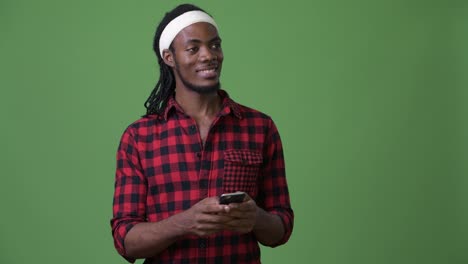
<point x="168" y="57"/>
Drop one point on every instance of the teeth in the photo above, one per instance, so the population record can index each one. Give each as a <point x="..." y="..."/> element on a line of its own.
<point x="210" y="70"/>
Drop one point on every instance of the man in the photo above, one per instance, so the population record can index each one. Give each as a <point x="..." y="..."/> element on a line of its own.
<point x="194" y="144"/>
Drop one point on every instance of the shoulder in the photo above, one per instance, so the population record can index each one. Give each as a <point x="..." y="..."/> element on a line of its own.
<point x="248" y="112"/>
<point x="143" y="126"/>
<point x="256" y="120"/>
<point x="254" y="117"/>
<point x="146" y="121"/>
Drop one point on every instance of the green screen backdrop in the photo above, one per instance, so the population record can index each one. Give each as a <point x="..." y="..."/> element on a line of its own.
<point x="370" y="98"/>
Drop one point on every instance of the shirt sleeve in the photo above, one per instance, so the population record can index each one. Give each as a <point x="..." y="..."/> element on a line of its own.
<point x="130" y="191"/>
<point x="274" y="193"/>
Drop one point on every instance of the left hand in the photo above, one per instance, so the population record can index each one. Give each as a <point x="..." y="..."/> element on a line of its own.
<point x="243" y="215"/>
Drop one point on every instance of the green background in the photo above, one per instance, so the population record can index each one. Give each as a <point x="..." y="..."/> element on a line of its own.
<point x="370" y="98"/>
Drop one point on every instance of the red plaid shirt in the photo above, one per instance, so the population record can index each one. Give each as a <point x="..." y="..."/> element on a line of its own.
<point x="163" y="169"/>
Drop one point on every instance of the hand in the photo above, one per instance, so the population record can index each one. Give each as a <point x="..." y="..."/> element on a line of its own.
<point x="204" y="218"/>
<point x="243" y="215"/>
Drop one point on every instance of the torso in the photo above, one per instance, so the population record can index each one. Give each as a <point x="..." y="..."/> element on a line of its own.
<point x="204" y="125"/>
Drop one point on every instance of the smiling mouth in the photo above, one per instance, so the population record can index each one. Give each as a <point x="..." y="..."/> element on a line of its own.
<point x="208" y="70"/>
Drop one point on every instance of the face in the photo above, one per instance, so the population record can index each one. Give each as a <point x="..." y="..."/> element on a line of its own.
<point x="196" y="58"/>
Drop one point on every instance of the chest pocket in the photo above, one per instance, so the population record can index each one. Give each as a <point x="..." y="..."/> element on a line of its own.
<point x="241" y="171"/>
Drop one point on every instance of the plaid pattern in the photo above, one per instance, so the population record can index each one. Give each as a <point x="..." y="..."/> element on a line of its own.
<point x="241" y="168"/>
<point x="163" y="169"/>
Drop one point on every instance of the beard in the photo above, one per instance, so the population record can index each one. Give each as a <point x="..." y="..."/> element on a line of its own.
<point x="207" y="89"/>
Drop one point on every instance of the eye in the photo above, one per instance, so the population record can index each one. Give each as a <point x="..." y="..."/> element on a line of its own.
<point x="216" y="46"/>
<point x="192" y="49"/>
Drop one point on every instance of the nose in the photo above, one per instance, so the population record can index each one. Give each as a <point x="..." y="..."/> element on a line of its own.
<point x="206" y="54"/>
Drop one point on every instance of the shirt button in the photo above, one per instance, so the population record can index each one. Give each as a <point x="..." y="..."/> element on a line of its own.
<point x="199" y="154"/>
<point x="202" y="244"/>
<point x="192" y="129"/>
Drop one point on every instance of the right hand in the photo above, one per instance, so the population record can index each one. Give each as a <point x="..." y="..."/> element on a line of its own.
<point x="204" y="218"/>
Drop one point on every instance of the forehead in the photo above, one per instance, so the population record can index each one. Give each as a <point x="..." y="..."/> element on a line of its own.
<point x="200" y="31"/>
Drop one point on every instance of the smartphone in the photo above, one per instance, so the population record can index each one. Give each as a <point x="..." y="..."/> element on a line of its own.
<point x="236" y="197"/>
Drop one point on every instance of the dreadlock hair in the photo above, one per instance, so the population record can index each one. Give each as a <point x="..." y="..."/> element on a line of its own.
<point x="165" y="87"/>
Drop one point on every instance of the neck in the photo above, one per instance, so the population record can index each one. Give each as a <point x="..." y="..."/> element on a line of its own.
<point x="198" y="105"/>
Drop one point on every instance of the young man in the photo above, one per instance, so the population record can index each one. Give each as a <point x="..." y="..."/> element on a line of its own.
<point x="194" y="144"/>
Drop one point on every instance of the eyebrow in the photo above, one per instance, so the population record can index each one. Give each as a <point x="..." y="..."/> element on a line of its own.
<point x="217" y="38"/>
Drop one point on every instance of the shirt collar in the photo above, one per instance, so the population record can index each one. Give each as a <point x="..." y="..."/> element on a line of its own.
<point x="228" y="106"/>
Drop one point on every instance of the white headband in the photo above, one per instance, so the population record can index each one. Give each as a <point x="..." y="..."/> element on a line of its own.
<point x="179" y="23"/>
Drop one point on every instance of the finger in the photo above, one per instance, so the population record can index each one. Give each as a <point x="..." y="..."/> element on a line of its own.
<point x="210" y="205"/>
<point x="206" y="230"/>
<point x="244" y="207"/>
<point x="247" y="198"/>
<point x="239" y="226"/>
<point x="214" y="218"/>
<point x="234" y="206"/>
<point x="235" y="223"/>
<point x="211" y="226"/>
<point x="215" y="209"/>
<point x="209" y="200"/>
<point x="242" y="215"/>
